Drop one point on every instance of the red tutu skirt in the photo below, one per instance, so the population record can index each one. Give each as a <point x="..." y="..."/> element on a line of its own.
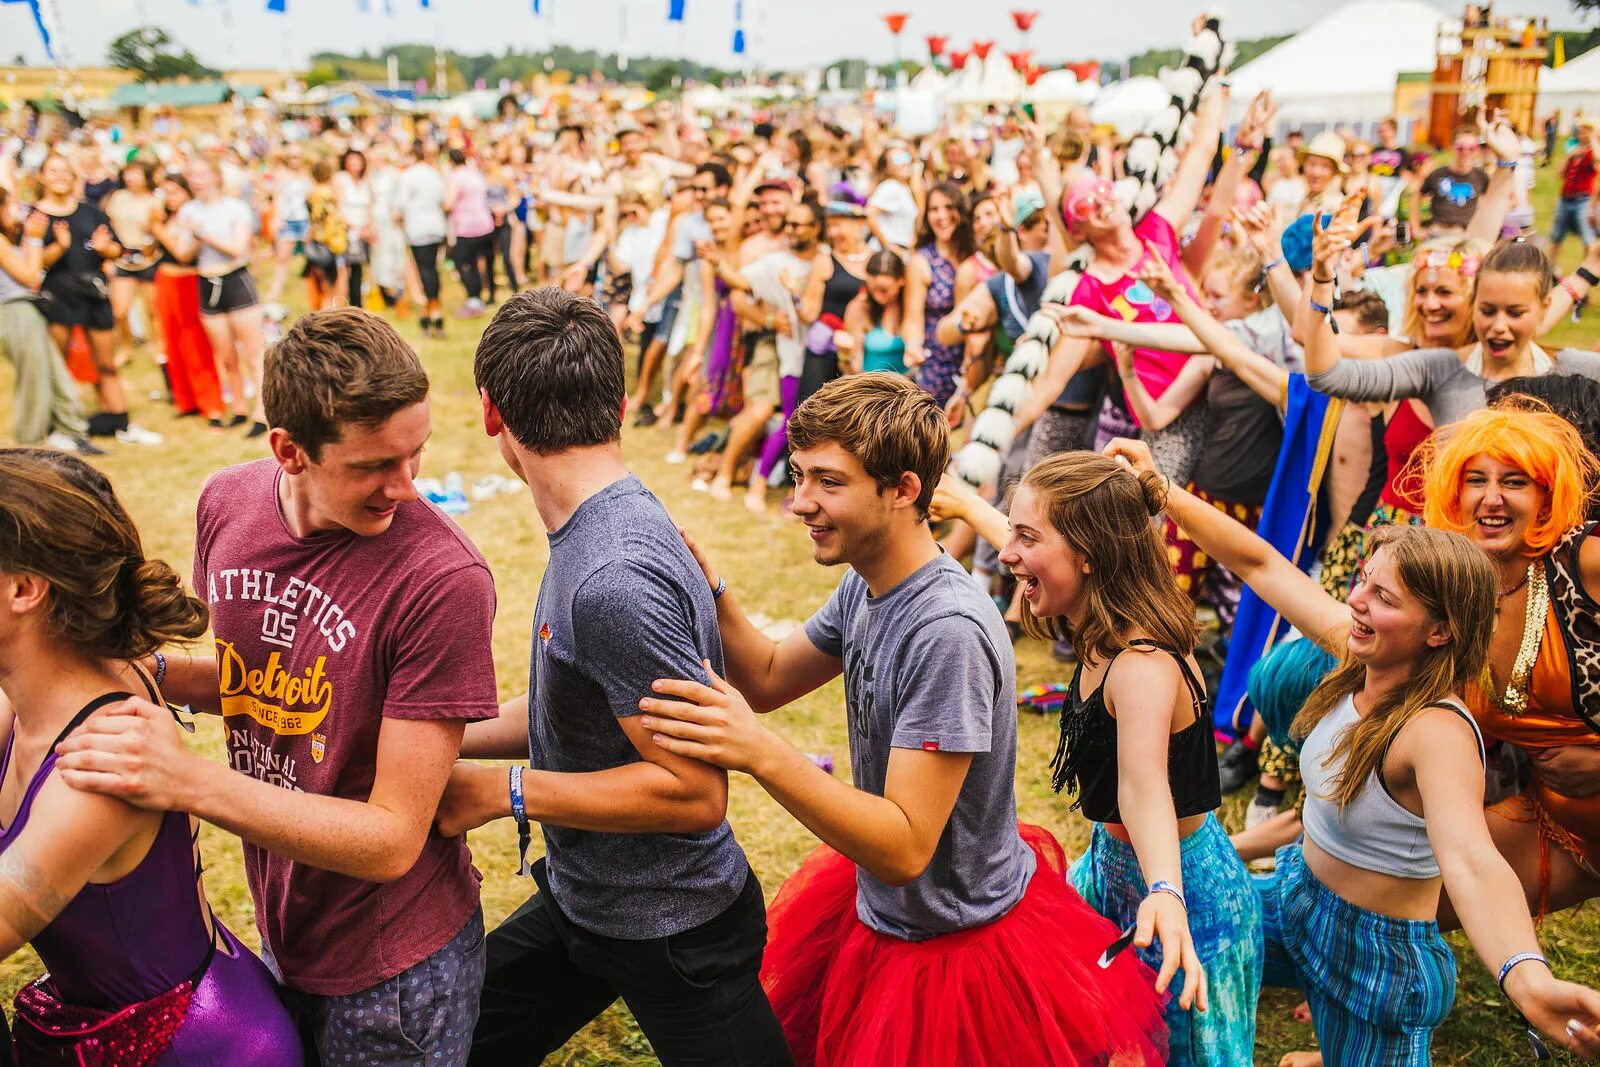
<point x="1025" y="990"/>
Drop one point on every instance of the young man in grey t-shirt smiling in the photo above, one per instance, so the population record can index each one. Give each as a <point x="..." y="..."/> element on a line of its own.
<point x="643" y="892"/>
<point x="928" y="832"/>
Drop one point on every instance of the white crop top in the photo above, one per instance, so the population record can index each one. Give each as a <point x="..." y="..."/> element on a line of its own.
<point x="1375" y="831"/>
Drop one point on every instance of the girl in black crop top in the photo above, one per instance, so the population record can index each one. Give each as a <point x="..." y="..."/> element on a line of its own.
<point x="1136" y="744"/>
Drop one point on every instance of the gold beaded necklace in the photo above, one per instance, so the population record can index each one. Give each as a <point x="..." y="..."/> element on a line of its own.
<point x="1515" y="699"/>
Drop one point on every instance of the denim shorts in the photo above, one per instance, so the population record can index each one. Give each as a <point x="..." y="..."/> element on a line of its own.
<point x="294" y="229"/>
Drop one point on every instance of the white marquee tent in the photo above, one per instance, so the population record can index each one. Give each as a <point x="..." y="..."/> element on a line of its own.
<point x="1343" y="68"/>
<point x="1573" y="87"/>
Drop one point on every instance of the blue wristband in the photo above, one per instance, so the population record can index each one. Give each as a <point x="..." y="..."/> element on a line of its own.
<point x="1521" y="957"/>
<point x="1321" y="309"/>
<point x="1507" y="164"/>
<point x="519" y="812"/>
<point x="1168" y="888"/>
<point x="1280" y="261"/>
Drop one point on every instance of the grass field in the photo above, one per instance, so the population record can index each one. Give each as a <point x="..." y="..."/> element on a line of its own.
<point x="768" y="561"/>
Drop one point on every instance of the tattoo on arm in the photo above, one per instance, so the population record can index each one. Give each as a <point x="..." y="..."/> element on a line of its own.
<point x="28" y="898"/>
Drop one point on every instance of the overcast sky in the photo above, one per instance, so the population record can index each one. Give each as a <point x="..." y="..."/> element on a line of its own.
<point x="783" y="33"/>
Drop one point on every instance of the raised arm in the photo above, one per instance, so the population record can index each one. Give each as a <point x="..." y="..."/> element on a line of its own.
<point x="1291" y="592"/>
<point x="1489" y="214"/>
<point x="1183" y="193"/>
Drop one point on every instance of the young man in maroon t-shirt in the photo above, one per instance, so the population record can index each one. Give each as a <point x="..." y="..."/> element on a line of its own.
<point x="353" y="626"/>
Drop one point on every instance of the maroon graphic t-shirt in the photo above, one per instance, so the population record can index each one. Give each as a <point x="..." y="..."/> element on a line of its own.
<point x="319" y="639"/>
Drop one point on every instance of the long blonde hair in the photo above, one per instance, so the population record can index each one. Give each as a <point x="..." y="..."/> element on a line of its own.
<point x="1103" y="510"/>
<point x="1455" y="583"/>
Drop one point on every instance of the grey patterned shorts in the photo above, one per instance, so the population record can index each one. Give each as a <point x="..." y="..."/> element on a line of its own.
<point x="422" y="1016"/>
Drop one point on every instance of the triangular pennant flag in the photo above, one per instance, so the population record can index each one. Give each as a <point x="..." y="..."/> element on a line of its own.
<point x="277" y="7"/>
<point x="674" y="10"/>
<point x="738" y="42"/>
<point x="535" y="7"/>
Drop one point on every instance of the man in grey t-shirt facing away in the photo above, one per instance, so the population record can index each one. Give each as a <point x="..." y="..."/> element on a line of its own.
<point x="643" y="892"/>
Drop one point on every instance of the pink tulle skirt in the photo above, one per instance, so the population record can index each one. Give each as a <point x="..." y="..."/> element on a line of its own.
<point x="1024" y="990"/>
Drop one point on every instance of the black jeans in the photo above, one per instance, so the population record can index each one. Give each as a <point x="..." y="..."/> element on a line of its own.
<point x="472" y="255"/>
<point x="696" y="995"/>
<point x="426" y="257"/>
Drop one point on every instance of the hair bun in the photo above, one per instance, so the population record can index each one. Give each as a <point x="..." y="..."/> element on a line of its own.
<point x="1154" y="486"/>
<point x="159" y="610"/>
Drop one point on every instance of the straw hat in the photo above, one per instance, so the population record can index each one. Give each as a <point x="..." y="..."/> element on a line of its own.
<point x="1329" y="146"/>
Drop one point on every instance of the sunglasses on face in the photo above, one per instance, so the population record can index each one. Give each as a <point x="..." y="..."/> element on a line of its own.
<point x="797" y="224"/>
<point x="1096" y="203"/>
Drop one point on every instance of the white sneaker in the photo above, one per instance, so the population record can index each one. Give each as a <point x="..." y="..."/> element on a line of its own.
<point x="676" y="457"/>
<point x="138" y="435"/>
<point x="60" y="442"/>
<point x="1256" y="814"/>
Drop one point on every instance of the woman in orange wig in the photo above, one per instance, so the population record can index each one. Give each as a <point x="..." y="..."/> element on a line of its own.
<point x="1519" y="483"/>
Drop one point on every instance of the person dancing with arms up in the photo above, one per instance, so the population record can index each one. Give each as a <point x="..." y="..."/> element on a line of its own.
<point x="1394" y="773"/>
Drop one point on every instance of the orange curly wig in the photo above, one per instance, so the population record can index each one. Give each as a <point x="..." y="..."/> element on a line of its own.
<point x="1540" y="443"/>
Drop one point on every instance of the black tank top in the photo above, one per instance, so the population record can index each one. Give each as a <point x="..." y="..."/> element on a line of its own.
<point x="1085" y="763"/>
<point x="839" y="290"/>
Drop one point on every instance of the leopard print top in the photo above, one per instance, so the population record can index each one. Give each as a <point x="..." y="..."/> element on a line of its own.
<point x="1579" y="616"/>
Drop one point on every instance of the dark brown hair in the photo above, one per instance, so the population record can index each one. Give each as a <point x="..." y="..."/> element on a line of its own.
<point x="1103" y="510"/>
<point x="339" y="367"/>
<point x="884" y="421"/>
<point x="60" y="521"/>
<point x="551" y="362"/>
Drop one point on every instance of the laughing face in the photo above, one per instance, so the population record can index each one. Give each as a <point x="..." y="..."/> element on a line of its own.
<point x="846" y="512"/>
<point x="1441" y="303"/>
<point x="1507" y="314"/>
<point x="1389" y="626"/>
<point x="1502" y="503"/>
<point x="1050" y="572"/>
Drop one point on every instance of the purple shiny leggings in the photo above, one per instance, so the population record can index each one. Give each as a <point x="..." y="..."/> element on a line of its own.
<point x="236" y="1017"/>
<point x="778" y="440"/>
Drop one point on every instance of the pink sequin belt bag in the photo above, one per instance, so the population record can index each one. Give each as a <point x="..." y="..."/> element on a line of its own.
<point x="48" y="1031"/>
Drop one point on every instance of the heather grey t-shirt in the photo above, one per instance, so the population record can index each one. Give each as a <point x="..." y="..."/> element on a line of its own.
<point x="928" y="665"/>
<point x="622" y="603"/>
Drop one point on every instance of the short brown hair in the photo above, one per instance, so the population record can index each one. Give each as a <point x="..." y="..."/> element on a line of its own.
<point x="335" y="368"/>
<point x="551" y="362"/>
<point x="884" y="421"/>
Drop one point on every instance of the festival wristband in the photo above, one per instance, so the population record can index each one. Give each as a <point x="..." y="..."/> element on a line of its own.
<point x="1323" y="281"/>
<point x="1170" y="889"/>
<point x="33" y="242"/>
<point x="519" y="812"/>
<point x="722" y="587"/>
<point x="1274" y="265"/>
<point x="1588" y="275"/>
<point x="1506" y="164"/>
<point x="1521" y="957"/>
<point x="1572" y="290"/>
<point x="161" y="668"/>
